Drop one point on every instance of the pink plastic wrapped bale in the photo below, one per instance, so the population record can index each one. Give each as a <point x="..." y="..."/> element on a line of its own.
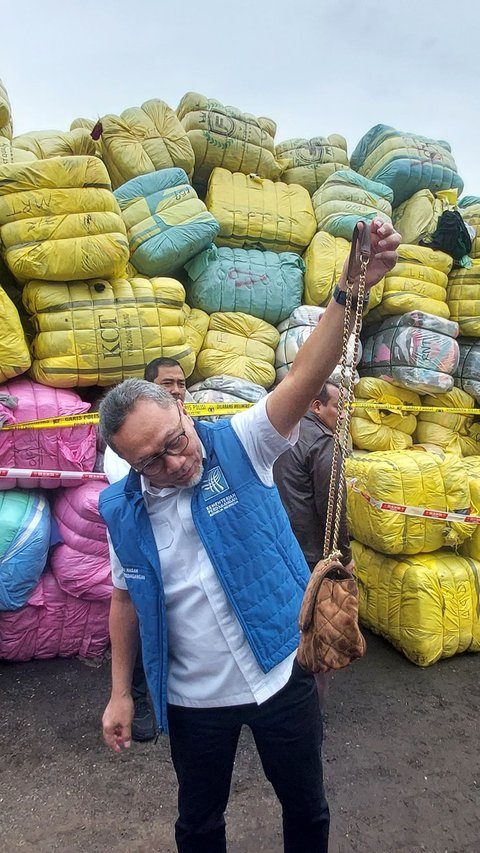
<point x="54" y="624"/>
<point x="81" y="564"/>
<point x="58" y="449"/>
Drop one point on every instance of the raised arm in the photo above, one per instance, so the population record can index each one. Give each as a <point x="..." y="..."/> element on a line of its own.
<point x="321" y="352"/>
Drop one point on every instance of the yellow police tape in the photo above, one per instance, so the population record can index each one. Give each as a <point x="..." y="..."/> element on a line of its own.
<point x="197" y="410"/>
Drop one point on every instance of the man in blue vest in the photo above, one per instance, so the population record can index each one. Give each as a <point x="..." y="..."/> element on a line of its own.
<point x="205" y="561"/>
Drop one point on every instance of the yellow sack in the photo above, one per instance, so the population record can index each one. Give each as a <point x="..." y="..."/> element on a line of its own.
<point x="14" y="354"/>
<point x="324" y="260"/>
<point x="143" y="140"/>
<point x="6" y="130"/>
<point x="469" y="207"/>
<point x="411" y="478"/>
<point x="417" y="218"/>
<point x="381" y="429"/>
<point x="196" y="327"/>
<point x="463" y="298"/>
<point x="255" y="213"/>
<point x="60" y="221"/>
<point x="426" y="606"/>
<point x="345" y="198"/>
<point x="101" y="332"/>
<point x="9" y="154"/>
<point x="237" y="344"/>
<point x="418" y="281"/>
<point x="471" y="547"/>
<point x="312" y="161"/>
<point x="224" y="136"/>
<point x="451" y="432"/>
<point x="56" y="143"/>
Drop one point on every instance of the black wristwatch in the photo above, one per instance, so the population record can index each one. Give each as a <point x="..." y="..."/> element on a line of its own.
<point x="340" y="296"/>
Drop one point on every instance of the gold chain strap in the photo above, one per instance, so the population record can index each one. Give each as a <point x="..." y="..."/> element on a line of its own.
<point x="345" y="400"/>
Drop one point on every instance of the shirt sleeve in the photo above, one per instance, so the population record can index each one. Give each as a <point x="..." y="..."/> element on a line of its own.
<point x="262" y="443"/>
<point x="114" y="466"/>
<point x="118" y="577"/>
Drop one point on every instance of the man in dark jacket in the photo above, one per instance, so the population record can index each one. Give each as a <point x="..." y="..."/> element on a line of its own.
<point x="302" y="476"/>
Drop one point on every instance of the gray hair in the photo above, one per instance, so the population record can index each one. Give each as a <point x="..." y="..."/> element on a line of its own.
<point x="122" y="399"/>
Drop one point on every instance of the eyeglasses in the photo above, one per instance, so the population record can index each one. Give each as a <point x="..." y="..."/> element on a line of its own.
<point x="173" y="448"/>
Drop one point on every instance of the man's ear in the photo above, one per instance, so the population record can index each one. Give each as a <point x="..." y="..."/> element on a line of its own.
<point x="315" y="406"/>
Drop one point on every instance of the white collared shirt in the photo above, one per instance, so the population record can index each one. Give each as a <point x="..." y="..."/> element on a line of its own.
<point x="210" y="661"/>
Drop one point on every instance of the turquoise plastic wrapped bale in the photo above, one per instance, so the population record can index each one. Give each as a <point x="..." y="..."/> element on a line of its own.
<point x="267" y="285"/>
<point x="166" y="222"/>
<point x="24" y="543"/>
<point x="406" y="162"/>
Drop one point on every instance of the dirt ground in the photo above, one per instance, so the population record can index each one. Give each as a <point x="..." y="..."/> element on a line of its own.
<point x="400" y="755"/>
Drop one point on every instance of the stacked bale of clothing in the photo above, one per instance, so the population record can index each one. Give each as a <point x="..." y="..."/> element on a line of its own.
<point x="256" y="213"/>
<point x="309" y="162"/>
<point x="56" y="143"/>
<point x="267" y="285"/>
<point x="24" y="544"/>
<point x="467" y="373"/>
<point x="455" y="432"/>
<point x="383" y="428"/>
<point x="224" y="136"/>
<point x="417" y="218"/>
<point x="463" y="298"/>
<point x="346" y="198"/>
<point x="14" y="353"/>
<point x="469" y="207"/>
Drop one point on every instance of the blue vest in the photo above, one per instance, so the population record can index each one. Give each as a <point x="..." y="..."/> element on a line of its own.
<point x="247" y="535"/>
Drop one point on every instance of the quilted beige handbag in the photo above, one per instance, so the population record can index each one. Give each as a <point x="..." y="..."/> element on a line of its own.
<point x="330" y="636"/>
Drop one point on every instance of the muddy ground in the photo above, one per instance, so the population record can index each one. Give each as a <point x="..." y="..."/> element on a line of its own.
<point x="401" y="761"/>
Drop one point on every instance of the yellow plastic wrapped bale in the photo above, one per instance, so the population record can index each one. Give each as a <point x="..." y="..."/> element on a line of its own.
<point x="324" y="260"/>
<point x="196" y="327"/>
<point x="412" y="478"/>
<point x="143" y="140"/>
<point x="101" y="332"/>
<point x="60" y="221"/>
<point x="418" y="281"/>
<point x="312" y="161"/>
<point x="381" y="429"/>
<point x="426" y="606"/>
<point x="452" y="432"/>
<point x="14" y="353"/>
<point x="417" y="218"/>
<point x="345" y="198"/>
<point x="237" y="344"/>
<point x="5" y="114"/>
<point x="56" y="143"/>
<point x="255" y="213"/>
<point x="10" y="154"/>
<point x="470" y="209"/>
<point x="463" y="299"/>
<point x="86" y="123"/>
<point x="224" y="136"/>
<point x="471" y="547"/>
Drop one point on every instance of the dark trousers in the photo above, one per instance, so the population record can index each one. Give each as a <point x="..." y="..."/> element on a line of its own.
<point x="139" y="681"/>
<point x="288" y="734"/>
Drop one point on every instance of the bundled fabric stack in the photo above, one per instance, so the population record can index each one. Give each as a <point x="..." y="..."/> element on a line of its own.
<point x="309" y="162"/>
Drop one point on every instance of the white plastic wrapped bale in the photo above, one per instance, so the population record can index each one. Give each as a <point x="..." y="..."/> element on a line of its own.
<point x="418" y="281"/>
<point x="453" y="432"/>
<point x="224" y="136"/>
<point x="463" y="298"/>
<point x="470" y="209"/>
<point x="294" y="332"/>
<point x="238" y="345"/>
<point x="312" y="161"/>
<point x="416" y="351"/>
<point x="267" y="285"/>
<point x="346" y="198"/>
<point x="382" y="428"/>
<point x="467" y="374"/>
<point x="226" y="389"/>
<point x="142" y="140"/>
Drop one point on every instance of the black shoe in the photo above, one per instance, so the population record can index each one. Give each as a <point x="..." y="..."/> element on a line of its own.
<point x="143" y="726"/>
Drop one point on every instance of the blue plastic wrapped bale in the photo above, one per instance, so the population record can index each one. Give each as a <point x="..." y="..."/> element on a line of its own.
<point x="405" y="162"/>
<point x="267" y="285"/>
<point x="166" y="222"/>
<point x="24" y="543"/>
<point x="467" y="374"/>
<point x="415" y="350"/>
<point x="345" y="198"/>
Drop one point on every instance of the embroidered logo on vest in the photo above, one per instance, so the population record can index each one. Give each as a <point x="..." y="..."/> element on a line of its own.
<point x="214" y="486"/>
